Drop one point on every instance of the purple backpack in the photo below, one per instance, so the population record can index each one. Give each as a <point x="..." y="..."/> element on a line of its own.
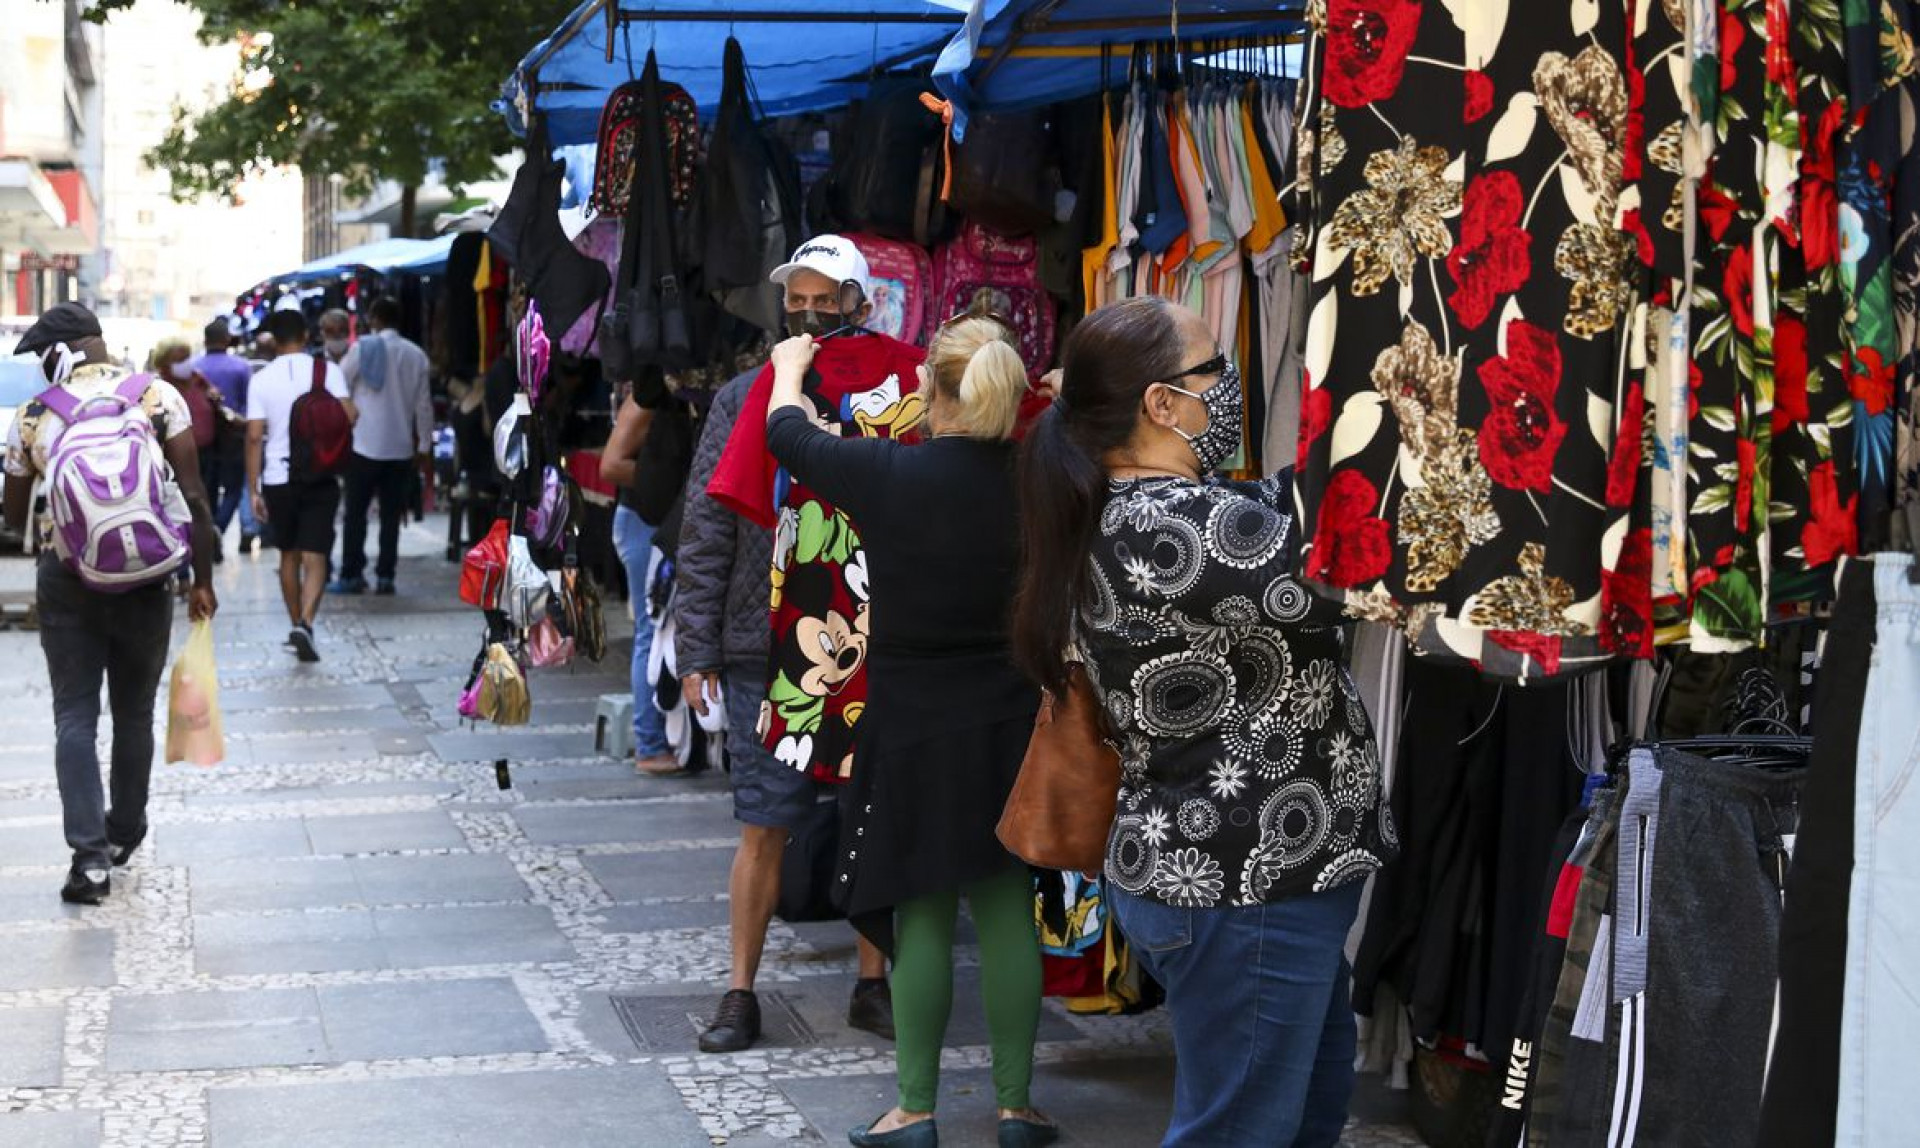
<point x="547" y="518"/>
<point x="119" y="522"/>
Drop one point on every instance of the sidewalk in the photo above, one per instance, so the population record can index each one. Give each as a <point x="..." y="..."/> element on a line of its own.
<point x="348" y="935"/>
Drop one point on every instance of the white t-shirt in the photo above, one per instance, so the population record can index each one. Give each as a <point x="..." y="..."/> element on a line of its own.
<point x="270" y="400"/>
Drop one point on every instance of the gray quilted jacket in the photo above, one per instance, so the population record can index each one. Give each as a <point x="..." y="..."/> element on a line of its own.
<point x="722" y="576"/>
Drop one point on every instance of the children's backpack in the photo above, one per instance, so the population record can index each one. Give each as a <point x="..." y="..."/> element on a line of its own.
<point x="320" y="431"/>
<point x="985" y="271"/>
<point x="619" y="146"/>
<point x="119" y="522"/>
<point x="903" y="288"/>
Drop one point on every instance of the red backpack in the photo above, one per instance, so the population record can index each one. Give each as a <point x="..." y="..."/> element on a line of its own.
<point x="319" y="430"/>
<point x="982" y="270"/>
<point x="903" y="287"/>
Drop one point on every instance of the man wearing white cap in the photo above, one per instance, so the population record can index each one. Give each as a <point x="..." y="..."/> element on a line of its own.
<point x="820" y="280"/>
<point x="761" y="637"/>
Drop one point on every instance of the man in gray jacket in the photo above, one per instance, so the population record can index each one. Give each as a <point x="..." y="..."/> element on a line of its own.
<point x="723" y="637"/>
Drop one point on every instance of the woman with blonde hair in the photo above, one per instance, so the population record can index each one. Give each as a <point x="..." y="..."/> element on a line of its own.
<point x="948" y="714"/>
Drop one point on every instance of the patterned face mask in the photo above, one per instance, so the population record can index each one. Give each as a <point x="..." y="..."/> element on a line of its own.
<point x="1226" y="407"/>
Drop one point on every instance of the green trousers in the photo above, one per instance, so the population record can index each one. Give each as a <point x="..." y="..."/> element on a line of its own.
<point x="1002" y="908"/>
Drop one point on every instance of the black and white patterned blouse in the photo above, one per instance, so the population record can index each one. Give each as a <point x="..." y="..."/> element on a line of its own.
<point x="1249" y="769"/>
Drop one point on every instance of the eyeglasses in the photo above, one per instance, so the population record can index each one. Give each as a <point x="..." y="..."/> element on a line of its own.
<point x="1212" y="366"/>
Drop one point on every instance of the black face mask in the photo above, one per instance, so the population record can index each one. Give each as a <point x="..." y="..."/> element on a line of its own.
<point x="815" y="323"/>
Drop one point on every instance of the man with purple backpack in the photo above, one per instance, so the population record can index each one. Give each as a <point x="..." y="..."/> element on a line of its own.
<point x="107" y="549"/>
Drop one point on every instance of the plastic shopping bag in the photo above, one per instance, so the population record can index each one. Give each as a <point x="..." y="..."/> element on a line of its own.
<point x="194" y="732"/>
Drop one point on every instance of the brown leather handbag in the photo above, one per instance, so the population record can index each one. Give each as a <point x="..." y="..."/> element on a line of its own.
<point x="1062" y="804"/>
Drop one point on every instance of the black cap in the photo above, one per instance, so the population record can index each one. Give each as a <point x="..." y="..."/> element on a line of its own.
<point x="62" y="323"/>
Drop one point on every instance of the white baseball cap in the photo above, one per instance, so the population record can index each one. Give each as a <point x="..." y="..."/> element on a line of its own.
<point x="833" y="256"/>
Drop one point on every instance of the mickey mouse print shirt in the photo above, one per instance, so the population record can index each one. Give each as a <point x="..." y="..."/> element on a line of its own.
<point x="1249" y="771"/>
<point x="860" y="386"/>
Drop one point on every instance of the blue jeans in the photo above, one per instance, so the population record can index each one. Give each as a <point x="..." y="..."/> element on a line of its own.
<point x="634" y="540"/>
<point x="1263" y="1031"/>
<point x="229" y="497"/>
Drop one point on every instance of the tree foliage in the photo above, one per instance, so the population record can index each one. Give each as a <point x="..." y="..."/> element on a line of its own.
<point x="366" y="90"/>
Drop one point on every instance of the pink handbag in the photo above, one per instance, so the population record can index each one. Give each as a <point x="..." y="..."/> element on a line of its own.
<point x="546" y="646"/>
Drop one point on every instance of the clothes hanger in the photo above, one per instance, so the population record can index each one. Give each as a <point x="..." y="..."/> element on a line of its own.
<point x="851" y="300"/>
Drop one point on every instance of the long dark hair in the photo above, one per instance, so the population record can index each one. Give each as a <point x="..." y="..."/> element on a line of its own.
<point x="1111" y="359"/>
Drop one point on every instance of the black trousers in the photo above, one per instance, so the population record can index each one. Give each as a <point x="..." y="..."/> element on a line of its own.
<point x="1803" y="1083"/>
<point x="368" y="479"/>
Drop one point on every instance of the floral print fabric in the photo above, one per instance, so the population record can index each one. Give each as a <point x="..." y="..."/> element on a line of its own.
<point x="1465" y="478"/>
<point x="1249" y="771"/>
<point x="1613" y="335"/>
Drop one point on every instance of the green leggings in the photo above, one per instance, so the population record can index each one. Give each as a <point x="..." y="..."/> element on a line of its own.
<point x="1009" y="977"/>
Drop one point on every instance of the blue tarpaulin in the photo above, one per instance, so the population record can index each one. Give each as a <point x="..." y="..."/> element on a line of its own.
<point x="819" y="54"/>
<point x="1037" y="52"/>
<point x="803" y="56"/>
<point x="411" y="256"/>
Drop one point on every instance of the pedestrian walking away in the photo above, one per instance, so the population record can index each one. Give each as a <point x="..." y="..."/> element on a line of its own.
<point x="387" y="377"/>
<point x="1250" y="812"/>
<point x="297" y="498"/>
<point x="230" y="375"/>
<point x="105" y="614"/>
<point x="948" y="714"/>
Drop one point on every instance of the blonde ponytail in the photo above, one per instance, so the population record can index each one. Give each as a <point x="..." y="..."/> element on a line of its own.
<point x="979" y="376"/>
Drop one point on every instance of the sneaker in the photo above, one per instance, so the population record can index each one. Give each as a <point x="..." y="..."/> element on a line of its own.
<point x="246" y="543"/>
<point x="302" y="642"/>
<point x="123" y="854"/>
<point x="735" y="1026"/>
<point x="347" y="586"/>
<point x="384" y="587"/>
<point x="871" y="1009"/>
<point x="86" y="887"/>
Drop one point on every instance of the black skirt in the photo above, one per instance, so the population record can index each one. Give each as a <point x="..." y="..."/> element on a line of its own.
<point x="931" y="775"/>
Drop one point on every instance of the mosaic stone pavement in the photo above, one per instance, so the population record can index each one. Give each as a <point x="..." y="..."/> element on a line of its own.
<point x="349" y="935"/>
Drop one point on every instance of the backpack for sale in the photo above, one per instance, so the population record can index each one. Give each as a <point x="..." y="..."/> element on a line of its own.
<point x="752" y="201"/>
<point x="982" y="270"/>
<point x="319" y="430"/>
<point x="903" y="288"/>
<point x="619" y="146"/>
<point x="1003" y="176"/>
<point x="889" y="178"/>
<point x="119" y="522"/>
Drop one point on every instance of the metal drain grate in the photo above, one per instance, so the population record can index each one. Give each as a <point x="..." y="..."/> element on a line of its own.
<point x="670" y="1024"/>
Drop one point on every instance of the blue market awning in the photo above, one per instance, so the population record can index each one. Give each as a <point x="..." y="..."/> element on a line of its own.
<point x="803" y="56"/>
<point x="412" y="256"/>
<point x="1037" y="52"/>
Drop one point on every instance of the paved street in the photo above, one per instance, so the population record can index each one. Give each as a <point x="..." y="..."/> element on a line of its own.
<point x="348" y="935"/>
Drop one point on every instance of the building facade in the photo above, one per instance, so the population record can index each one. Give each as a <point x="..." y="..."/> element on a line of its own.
<point x="51" y="156"/>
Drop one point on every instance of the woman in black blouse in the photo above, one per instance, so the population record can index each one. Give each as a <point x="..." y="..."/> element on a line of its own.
<point x="948" y="715"/>
<point x="1250" y="812"/>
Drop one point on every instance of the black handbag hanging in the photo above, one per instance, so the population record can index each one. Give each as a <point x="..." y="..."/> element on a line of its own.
<point x="565" y="282"/>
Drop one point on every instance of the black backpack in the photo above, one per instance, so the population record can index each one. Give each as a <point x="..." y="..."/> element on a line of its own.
<point x="752" y="200"/>
<point x="1004" y="175"/>
<point x="888" y="178"/>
